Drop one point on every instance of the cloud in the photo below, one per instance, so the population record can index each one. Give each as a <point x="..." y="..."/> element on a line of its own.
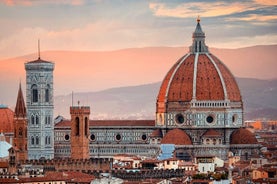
<point x="30" y="2"/>
<point x="254" y="17"/>
<point x="211" y="9"/>
<point x="266" y="2"/>
<point x="16" y="2"/>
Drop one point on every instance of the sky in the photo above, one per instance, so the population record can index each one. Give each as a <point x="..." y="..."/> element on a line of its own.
<point x="93" y="25"/>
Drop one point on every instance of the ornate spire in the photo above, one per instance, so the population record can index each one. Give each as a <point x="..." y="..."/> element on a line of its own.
<point x="20" y="109"/>
<point x="198" y="39"/>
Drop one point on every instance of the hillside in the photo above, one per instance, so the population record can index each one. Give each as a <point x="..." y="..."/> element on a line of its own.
<point x="139" y="102"/>
<point x="85" y="71"/>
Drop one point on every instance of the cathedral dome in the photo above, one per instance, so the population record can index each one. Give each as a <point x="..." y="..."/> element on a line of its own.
<point x="177" y="137"/>
<point x="6" y="119"/>
<point x="197" y="76"/>
<point x="243" y="136"/>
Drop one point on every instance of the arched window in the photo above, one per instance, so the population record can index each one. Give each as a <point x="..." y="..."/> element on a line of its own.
<point x="32" y="120"/>
<point x="37" y="120"/>
<point x="86" y="126"/>
<point x="47" y="90"/>
<point x="46" y="140"/>
<point x="77" y="123"/>
<point x="32" y="140"/>
<point x="20" y="132"/>
<point x="34" y="94"/>
<point x="49" y="140"/>
<point x="37" y="140"/>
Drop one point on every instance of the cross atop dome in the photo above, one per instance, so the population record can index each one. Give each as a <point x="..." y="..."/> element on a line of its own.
<point x="198" y="39"/>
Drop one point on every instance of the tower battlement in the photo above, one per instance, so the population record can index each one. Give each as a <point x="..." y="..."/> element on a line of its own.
<point x="79" y="110"/>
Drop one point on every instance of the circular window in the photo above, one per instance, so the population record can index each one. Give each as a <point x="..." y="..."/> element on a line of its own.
<point x="118" y="137"/>
<point x="180" y="118"/>
<point x="143" y="137"/>
<point x="66" y="137"/>
<point x="92" y="137"/>
<point x="210" y="119"/>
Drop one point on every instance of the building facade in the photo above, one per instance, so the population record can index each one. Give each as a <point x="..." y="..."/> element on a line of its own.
<point x="40" y="105"/>
<point x="20" y="140"/>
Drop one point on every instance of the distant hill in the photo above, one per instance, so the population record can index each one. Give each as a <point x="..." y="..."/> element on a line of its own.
<point x="85" y="71"/>
<point x="139" y="102"/>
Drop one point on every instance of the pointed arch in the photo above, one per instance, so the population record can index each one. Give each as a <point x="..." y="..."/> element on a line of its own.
<point x="34" y="93"/>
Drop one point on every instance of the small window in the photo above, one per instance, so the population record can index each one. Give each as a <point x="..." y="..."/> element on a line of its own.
<point x="47" y="93"/>
<point x="118" y="137"/>
<point x="37" y="120"/>
<point x="32" y="120"/>
<point x="37" y="140"/>
<point x="210" y="119"/>
<point x="34" y="92"/>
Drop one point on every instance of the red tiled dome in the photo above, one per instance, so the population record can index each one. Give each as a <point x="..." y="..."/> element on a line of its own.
<point x="243" y="136"/>
<point x="198" y="75"/>
<point x="177" y="137"/>
<point x="6" y="120"/>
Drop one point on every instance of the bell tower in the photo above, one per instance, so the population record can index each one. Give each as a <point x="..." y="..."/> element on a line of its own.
<point x="40" y="106"/>
<point x="20" y="128"/>
<point x="79" y="132"/>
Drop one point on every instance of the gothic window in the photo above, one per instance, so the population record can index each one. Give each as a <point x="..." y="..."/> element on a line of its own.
<point x="47" y="90"/>
<point x="34" y="92"/>
<point x="37" y="140"/>
<point x="86" y="126"/>
<point x="49" y="142"/>
<point x="77" y="123"/>
<point x="46" y="140"/>
<point x="37" y="120"/>
<point x="32" y="140"/>
<point x="207" y="141"/>
<point x="20" y="132"/>
<point x="32" y="120"/>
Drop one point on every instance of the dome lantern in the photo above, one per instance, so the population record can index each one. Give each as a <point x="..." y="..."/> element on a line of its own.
<point x="198" y="39"/>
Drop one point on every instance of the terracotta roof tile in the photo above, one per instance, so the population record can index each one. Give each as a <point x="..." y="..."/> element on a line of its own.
<point x="177" y="137"/>
<point x="243" y="136"/>
<point x="212" y="133"/>
<point x="6" y="120"/>
<point x="107" y="123"/>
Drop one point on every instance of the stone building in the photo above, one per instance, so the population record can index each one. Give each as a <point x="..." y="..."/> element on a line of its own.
<point x="20" y="128"/>
<point x="40" y="105"/>
<point x="199" y="100"/>
<point x="199" y="110"/>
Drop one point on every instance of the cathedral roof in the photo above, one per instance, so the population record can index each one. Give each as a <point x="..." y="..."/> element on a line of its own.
<point x="211" y="133"/>
<point x="6" y="119"/>
<point x="198" y="76"/>
<point x="157" y="133"/>
<point x="243" y="136"/>
<point x="111" y="123"/>
<point x="177" y="137"/>
<point x="20" y="109"/>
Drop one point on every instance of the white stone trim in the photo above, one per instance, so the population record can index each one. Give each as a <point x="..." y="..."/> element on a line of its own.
<point x="195" y="76"/>
<point x="169" y="83"/>
<point x="220" y="76"/>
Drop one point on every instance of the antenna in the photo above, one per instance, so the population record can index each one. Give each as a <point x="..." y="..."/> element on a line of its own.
<point x="38" y="49"/>
<point x="72" y="99"/>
